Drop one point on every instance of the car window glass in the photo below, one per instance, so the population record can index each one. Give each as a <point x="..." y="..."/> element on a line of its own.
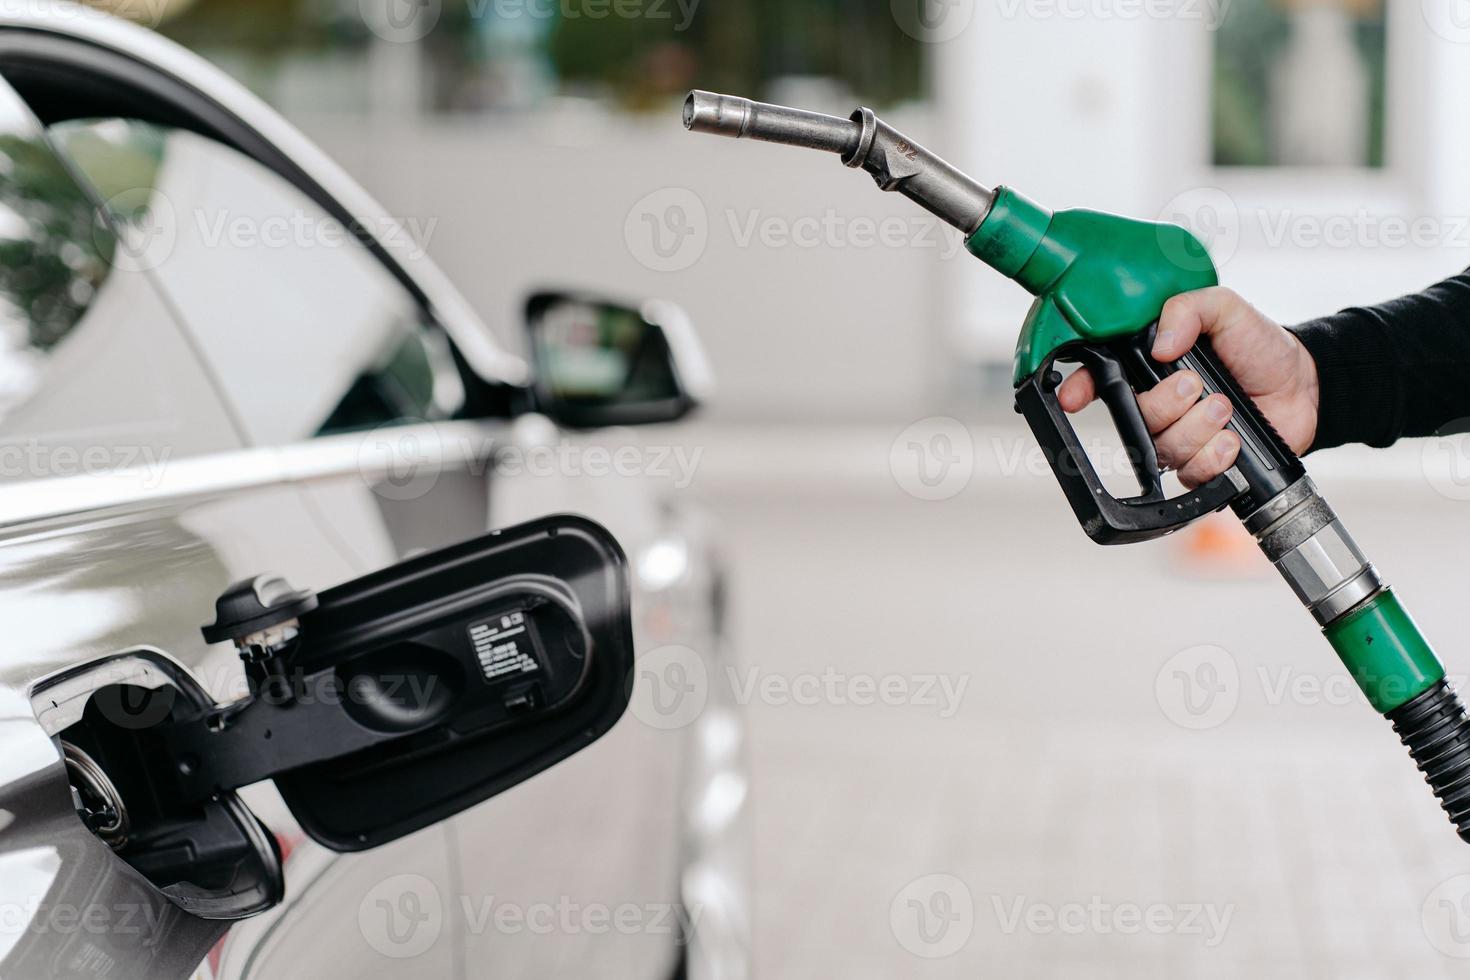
<point x="94" y="372"/>
<point x="305" y="328"/>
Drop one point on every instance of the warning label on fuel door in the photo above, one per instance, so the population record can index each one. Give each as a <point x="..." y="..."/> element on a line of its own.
<point x="504" y="647"/>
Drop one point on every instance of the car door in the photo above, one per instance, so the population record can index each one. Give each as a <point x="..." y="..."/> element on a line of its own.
<point x="125" y="729"/>
<point x="131" y="499"/>
<point x="319" y="350"/>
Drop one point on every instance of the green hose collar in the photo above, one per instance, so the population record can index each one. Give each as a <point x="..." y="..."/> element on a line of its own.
<point x="1385" y="652"/>
<point x="1013" y="228"/>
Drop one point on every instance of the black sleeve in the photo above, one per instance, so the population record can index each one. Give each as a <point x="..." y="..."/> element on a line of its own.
<point x="1398" y="369"/>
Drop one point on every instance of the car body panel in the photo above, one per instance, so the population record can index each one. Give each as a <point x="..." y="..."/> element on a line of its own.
<point x="103" y="565"/>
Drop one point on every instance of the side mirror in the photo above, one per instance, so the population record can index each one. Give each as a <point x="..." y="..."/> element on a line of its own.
<point x="600" y="363"/>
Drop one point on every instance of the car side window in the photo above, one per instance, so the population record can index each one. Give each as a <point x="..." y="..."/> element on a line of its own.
<point x="302" y="326"/>
<point x="95" y="372"/>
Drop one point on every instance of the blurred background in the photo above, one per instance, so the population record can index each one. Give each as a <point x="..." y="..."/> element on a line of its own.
<point x="1154" y="728"/>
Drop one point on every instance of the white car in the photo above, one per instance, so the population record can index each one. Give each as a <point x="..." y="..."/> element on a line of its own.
<point x="221" y="362"/>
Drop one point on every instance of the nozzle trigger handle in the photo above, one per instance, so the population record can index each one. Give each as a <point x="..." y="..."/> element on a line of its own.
<point x="1105" y="518"/>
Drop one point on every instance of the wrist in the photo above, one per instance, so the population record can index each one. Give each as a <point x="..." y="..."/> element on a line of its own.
<point x="1309" y="391"/>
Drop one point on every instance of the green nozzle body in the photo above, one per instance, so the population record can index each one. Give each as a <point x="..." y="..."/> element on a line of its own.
<point x="1095" y="275"/>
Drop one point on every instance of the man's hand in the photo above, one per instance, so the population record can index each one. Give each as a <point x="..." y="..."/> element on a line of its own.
<point x="1268" y="363"/>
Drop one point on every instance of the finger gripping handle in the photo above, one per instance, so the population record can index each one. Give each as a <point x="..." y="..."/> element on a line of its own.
<point x="1265" y="464"/>
<point x="1105" y="518"/>
<point x="1436" y="731"/>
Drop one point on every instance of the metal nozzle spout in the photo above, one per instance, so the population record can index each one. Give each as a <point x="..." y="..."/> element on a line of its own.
<point x="730" y="115"/>
<point x="896" y="162"/>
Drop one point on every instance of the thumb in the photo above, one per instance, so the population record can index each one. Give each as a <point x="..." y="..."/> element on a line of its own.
<point x="1187" y="315"/>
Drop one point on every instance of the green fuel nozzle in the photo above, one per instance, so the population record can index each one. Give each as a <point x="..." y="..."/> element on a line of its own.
<point x="1100" y="282"/>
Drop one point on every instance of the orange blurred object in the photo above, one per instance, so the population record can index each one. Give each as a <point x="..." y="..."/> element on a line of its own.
<point x="1218" y="546"/>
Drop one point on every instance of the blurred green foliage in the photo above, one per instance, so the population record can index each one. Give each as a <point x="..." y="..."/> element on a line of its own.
<point x="54" y="250"/>
<point x="1248" y="45"/>
<point x="739" y="47"/>
<point x="263" y="27"/>
<point x="588" y="46"/>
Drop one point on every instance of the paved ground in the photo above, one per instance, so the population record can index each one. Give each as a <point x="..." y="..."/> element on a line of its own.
<point x="1149" y="772"/>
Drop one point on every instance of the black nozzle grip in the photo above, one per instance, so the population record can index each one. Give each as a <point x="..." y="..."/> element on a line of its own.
<point x="1265" y="463"/>
<point x="1105" y="518"/>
